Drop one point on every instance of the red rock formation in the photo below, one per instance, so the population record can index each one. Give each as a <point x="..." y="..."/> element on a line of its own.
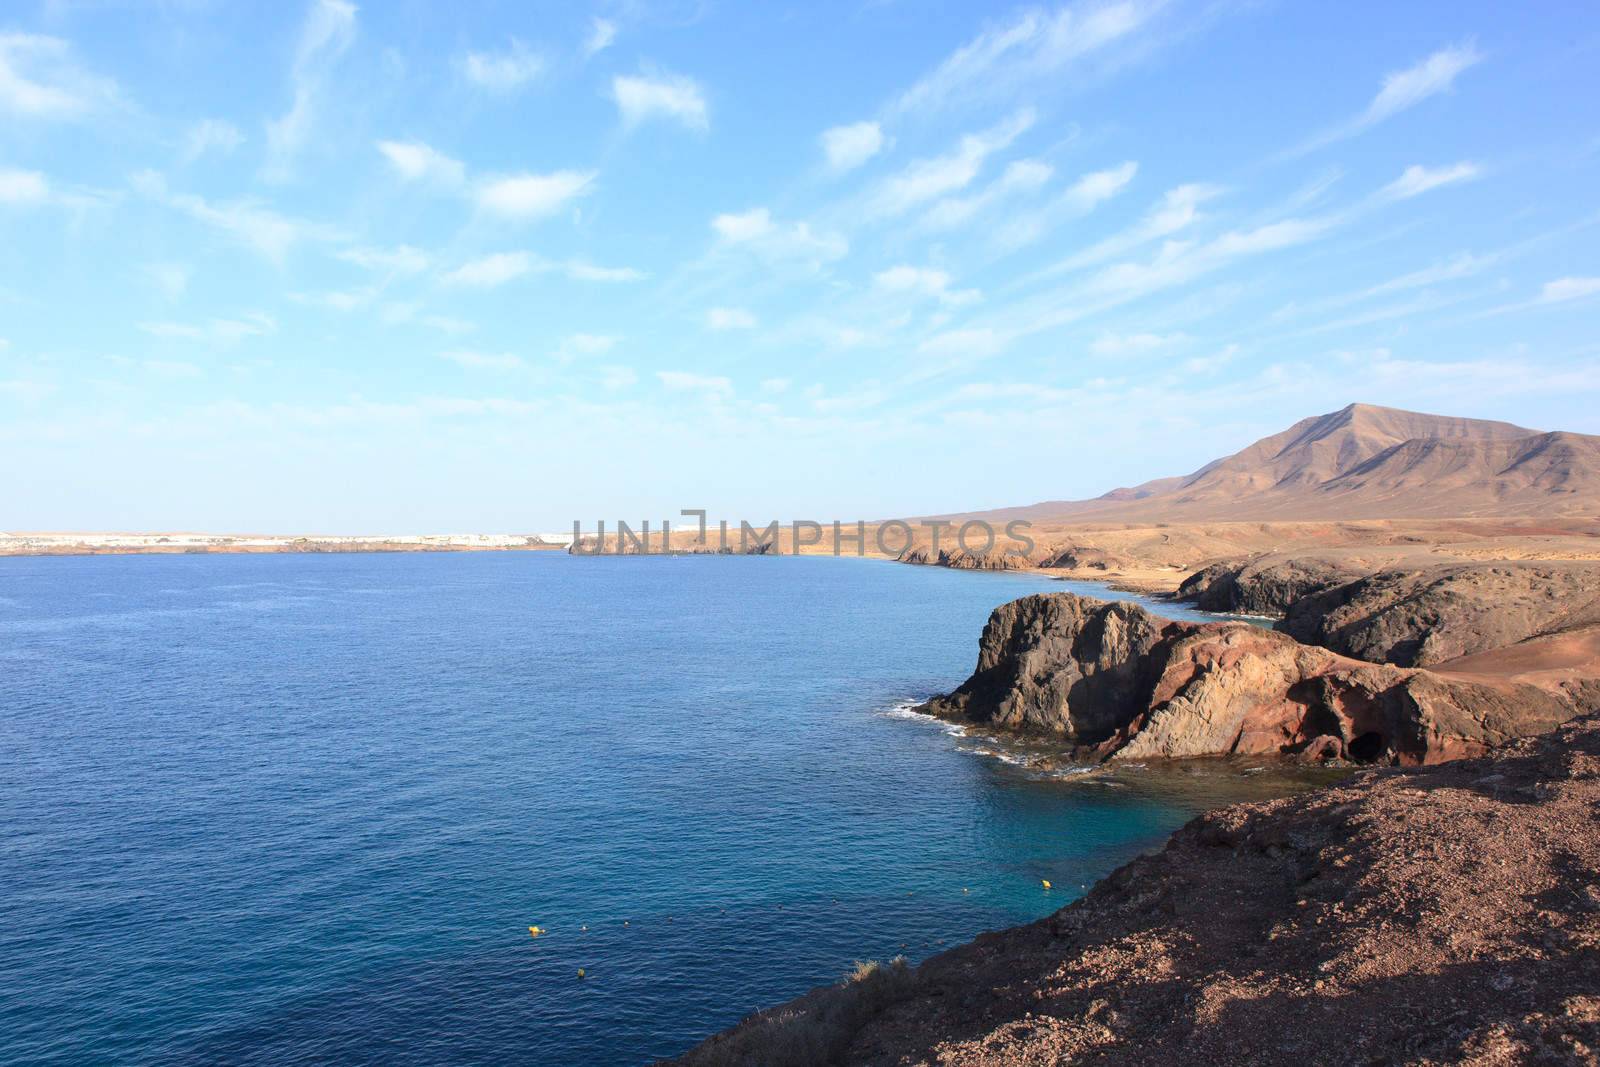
<point x="1111" y="680"/>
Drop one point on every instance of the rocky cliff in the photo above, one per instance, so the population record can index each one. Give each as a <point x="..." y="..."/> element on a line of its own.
<point x="1440" y="915"/>
<point x="1268" y="587"/>
<point x="1112" y="680"/>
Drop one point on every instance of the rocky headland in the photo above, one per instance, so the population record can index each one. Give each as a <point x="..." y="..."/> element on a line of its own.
<point x="1114" y="681"/>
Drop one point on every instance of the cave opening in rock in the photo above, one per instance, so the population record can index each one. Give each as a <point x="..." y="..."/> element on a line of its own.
<point x="1368" y="747"/>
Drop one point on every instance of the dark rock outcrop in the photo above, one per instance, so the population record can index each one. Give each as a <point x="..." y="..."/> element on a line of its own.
<point x="1112" y="680"/>
<point x="1434" y="916"/>
<point x="962" y="560"/>
<point x="1261" y="587"/>
<point x="1418" y="618"/>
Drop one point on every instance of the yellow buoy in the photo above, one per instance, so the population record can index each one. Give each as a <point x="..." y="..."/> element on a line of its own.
<point x="535" y="931"/>
<point x="1046" y="882"/>
<point x="580" y="972"/>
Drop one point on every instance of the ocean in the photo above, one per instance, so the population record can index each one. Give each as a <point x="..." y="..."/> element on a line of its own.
<point x="291" y="809"/>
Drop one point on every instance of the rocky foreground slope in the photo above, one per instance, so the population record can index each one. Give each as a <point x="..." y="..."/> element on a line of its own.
<point x="1447" y="914"/>
<point x="1112" y="680"/>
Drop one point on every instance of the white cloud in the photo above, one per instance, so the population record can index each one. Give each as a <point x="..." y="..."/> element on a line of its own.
<point x="1036" y="45"/>
<point x="415" y="161"/>
<point x="776" y="385"/>
<point x="39" y="79"/>
<point x="1021" y="176"/>
<point x="328" y="30"/>
<point x="1568" y="289"/>
<point x="923" y="281"/>
<point x="269" y="233"/>
<point x="447" y="324"/>
<point x="1404" y="89"/>
<point x="602" y="32"/>
<point x="209" y="135"/>
<point x="617" y="377"/>
<point x="1410" y="87"/>
<point x="1177" y="209"/>
<point x="779" y="241"/>
<point x="584" y="344"/>
<point x="491" y="270"/>
<point x="684" y="382"/>
<point x="749" y="226"/>
<point x="1111" y="344"/>
<point x="482" y="360"/>
<point x="532" y="196"/>
<point x="730" y="319"/>
<point x="979" y="343"/>
<point x="1182" y="261"/>
<point x="23" y="187"/>
<point x="338" y="300"/>
<point x="502" y="72"/>
<point x="1418" y="179"/>
<point x="171" y="278"/>
<point x="1077" y="200"/>
<point x="402" y="259"/>
<point x="926" y="179"/>
<point x="217" y="331"/>
<point x="664" y="96"/>
<point x="847" y="147"/>
<point x="581" y="271"/>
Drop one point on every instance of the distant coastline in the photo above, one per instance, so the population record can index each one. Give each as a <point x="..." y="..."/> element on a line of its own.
<point x="123" y="544"/>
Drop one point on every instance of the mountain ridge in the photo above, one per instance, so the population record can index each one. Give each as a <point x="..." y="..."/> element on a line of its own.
<point x="1363" y="461"/>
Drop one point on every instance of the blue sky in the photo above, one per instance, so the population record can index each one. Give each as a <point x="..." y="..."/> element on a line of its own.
<point x="361" y="267"/>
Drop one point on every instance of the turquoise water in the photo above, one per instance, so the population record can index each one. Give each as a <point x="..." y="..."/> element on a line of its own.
<point x="302" y="809"/>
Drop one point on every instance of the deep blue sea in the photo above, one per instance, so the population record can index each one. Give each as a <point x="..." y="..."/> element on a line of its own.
<point x="292" y="809"/>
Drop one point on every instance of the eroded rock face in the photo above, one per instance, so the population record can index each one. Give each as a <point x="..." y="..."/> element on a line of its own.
<point x="1261" y="587"/>
<point x="1418" y="618"/>
<point x="1112" y="680"/>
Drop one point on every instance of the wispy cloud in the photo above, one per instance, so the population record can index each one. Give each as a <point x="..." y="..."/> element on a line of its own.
<point x="576" y="345"/>
<point x="40" y="79"/>
<point x="927" y="179"/>
<point x="491" y="270"/>
<point x="1077" y="200"/>
<point x="172" y="279"/>
<point x="1419" y="179"/>
<point x="23" y="186"/>
<point x="847" y="147"/>
<point x="757" y="231"/>
<point x="472" y="360"/>
<point x="1403" y="89"/>
<point x="643" y="97"/>
<point x="328" y="31"/>
<point x="216" y="331"/>
<point x="730" y="319"/>
<point x="1177" y="210"/>
<point x="602" y="32"/>
<point x="1033" y="46"/>
<point x="923" y="281"/>
<point x="402" y="259"/>
<point x="271" y="234"/>
<point x="1113" y="344"/>
<point x="532" y="196"/>
<point x="415" y="161"/>
<point x="583" y="271"/>
<point x="685" y="382"/>
<point x="207" y="136"/>
<point x="1564" y="289"/>
<point x="503" y="72"/>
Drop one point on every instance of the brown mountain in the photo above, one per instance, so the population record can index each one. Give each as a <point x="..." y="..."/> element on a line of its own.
<point x="1366" y="462"/>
